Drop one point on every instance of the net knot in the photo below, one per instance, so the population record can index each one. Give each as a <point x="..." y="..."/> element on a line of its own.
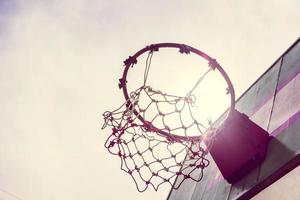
<point x="111" y="144"/>
<point x="190" y="99"/>
<point x="107" y="118"/>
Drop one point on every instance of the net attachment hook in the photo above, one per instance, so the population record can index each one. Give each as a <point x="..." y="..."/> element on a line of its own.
<point x="131" y="60"/>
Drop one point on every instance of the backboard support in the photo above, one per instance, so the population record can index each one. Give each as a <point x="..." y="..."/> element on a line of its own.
<point x="272" y="102"/>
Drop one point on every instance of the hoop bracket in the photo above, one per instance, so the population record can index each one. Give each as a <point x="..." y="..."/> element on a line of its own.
<point x="153" y="47"/>
<point x="184" y="49"/>
<point x="213" y="64"/>
<point x="130" y="60"/>
<point x="122" y="83"/>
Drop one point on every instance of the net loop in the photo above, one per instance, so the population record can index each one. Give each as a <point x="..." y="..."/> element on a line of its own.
<point x="152" y="154"/>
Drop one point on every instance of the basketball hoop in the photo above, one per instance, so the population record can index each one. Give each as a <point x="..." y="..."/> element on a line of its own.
<point x="154" y="153"/>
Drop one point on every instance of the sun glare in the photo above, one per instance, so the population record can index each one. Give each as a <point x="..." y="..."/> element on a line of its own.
<point x="188" y="76"/>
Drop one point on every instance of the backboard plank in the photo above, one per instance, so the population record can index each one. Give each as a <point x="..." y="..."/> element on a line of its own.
<point x="273" y="102"/>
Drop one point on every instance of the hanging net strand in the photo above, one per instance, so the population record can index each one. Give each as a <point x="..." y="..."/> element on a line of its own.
<point x="148" y="64"/>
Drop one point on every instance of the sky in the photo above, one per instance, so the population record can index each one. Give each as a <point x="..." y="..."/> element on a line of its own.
<point x="60" y="63"/>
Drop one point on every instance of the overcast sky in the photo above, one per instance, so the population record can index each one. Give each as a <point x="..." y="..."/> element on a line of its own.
<point x="59" y="65"/>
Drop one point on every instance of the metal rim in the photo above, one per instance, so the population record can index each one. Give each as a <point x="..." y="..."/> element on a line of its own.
<point x="182" y="49"/>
